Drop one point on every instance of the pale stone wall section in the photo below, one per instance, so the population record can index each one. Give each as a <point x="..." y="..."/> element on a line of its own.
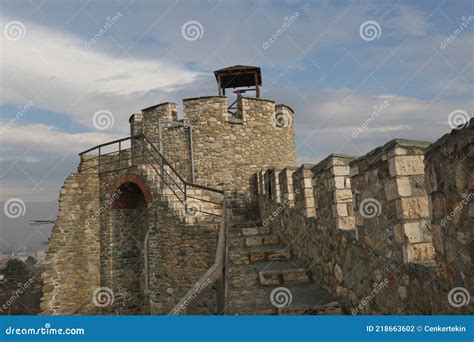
<point x="368" y="273"/>
<point x="331" y="181"/>
<point x="275" y="184"/>
<point x="389" y="180"/>
<point x="71" y="268"/>
<point x="228" y="152"/>
<point x="286" y="185"/>
<point x="303" y="188"/>
<point x="449" y="174"/>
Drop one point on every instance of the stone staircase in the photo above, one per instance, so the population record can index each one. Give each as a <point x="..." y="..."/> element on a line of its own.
<point x="263" y="279"/>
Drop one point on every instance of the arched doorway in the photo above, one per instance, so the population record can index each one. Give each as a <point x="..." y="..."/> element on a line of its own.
<point x="129" y="222"/>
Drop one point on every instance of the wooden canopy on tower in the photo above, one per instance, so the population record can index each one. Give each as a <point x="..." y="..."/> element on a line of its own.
<point x="239" y="76"/>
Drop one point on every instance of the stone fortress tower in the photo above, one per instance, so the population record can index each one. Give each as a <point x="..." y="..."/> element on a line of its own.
<point x="209" y="214"/>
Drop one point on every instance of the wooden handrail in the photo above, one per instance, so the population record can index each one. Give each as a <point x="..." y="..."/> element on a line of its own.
<point x="215" y="274"/>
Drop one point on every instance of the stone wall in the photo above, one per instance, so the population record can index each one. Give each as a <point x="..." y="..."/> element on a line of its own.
<point x="170" y="136"/>
<point x="368" y="259"/>
<point x="389" y="193"/>
<point x="118" y="236"/>
<point x="228" y="151"/>
<point x="71" y="268"/>
<point x="150" y="258"/>
<point x="118" y="248"/>
<point x="449" y="173"/>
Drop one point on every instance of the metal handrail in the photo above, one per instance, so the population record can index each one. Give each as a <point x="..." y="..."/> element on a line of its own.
<point x="110" y="143"/>
<point x="138" y="136"/>
<point x="217" y="273"/>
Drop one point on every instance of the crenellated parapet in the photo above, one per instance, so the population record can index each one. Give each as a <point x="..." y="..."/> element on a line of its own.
<point x="449" y="175"/>
<point x="302" y="187"/>
<point x="332" y="191"/>
<point x="369" y="229"/>
<point x="391" y="202"/>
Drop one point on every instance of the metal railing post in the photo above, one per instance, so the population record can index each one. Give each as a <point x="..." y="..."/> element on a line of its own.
<point x="99" y="160"/>
<point x="185" y="200"/>
<point x="191" y="151"/>
<point x="120" y="154"/>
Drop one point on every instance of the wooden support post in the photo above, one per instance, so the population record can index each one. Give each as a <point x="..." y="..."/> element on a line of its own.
<point x="257" y="88"/>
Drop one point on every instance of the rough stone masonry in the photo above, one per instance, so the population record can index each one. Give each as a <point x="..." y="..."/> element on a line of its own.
<point x="385" y="233"/>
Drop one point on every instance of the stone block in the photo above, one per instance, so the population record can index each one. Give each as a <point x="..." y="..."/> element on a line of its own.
<point x="337" y="182"/>
<point x="339" y="210"/>
<point x="406" y="165"/>
<point x="253" y="241"/>
<point x="419" y="252"/>
<point x="399" y="187"/>
<point x="269" y="278"/>
<point x="412" y="208"/>
<point x="342" y="196"/>
<point x="340" y="171"/>
<point x="270" y="240"/>
<point x="413" y="232"/>
<point x="250" y="231"/>
<point x="257" y="256"/>
<point x="346" y="223"/>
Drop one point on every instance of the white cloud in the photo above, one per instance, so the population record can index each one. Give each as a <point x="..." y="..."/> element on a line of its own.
<point x="45" y="138"/>
<point x="56" y="71"/>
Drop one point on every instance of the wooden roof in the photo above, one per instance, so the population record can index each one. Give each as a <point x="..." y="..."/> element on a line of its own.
<point x="238" y="76"/>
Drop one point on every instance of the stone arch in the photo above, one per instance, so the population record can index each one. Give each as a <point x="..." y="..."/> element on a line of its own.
<point x="129" y="219"/>
<point x="134" y="186"/>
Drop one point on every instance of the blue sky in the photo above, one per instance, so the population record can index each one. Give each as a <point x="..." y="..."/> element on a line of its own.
<point x="320" y="65"/>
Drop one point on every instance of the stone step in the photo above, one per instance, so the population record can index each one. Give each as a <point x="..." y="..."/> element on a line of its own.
<point x="308" y="299"/>
<point x="251" y="231"/>
<point x="268" y="253"/>
<point x="275" y="273"/>
<point x="329" y="309"/>
<point x="261" y="240"/>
